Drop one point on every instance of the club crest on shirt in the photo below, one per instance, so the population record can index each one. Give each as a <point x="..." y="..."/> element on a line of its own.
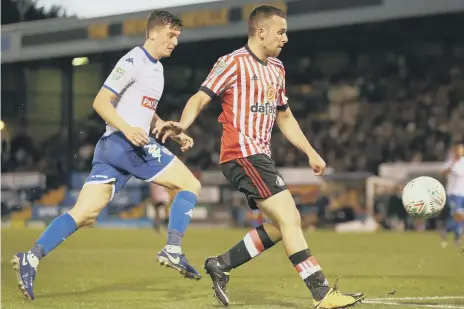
<point x="117" y="73"/>
<point x="220" y="68"/>
<point x="270" y="93"/>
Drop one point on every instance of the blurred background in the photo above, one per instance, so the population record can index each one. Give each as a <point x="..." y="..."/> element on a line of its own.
<point x="377" y="86"/>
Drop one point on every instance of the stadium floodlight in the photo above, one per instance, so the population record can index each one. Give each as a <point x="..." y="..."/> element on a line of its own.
<point x="80" y="61"/>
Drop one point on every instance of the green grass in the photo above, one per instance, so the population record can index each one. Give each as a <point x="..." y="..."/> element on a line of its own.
<point x="98" y="268"/>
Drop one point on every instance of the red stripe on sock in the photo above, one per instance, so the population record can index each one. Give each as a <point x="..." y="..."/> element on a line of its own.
<point x="256" y="240"/>
<point x="306" y="264"/>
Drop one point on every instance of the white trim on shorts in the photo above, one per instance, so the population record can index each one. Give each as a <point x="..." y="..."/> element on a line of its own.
<point x="101" y="181"/>
<point x="105" y="181"/>
<point x="161" y="171"/>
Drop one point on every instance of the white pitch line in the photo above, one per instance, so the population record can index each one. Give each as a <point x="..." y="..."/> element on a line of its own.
<point x="398" y="304"/>
<point x="417" y="298"/>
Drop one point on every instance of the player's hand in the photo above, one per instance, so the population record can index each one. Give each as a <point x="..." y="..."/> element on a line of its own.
<point x="137" y="136"/>
<point x="184" y="140"/>
<point x="317" y="164"/>
<point x="167" y="129"/>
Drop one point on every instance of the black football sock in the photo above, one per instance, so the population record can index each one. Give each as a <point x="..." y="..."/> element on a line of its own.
<point x="253" y="244"/>
<point x="309" y="270"/>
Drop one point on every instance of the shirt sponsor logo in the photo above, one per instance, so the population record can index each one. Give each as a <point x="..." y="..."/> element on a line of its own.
<point x="266" y="109"/>
<point x="149" y="103"/>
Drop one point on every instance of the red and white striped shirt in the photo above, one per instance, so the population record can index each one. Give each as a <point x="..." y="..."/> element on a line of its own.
<point x="252" y="91"/>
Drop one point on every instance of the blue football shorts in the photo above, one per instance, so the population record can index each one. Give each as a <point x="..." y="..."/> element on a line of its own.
<point x="116" y="160"/>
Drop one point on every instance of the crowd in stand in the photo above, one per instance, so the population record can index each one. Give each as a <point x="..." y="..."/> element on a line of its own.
<point x="356" y="119"/>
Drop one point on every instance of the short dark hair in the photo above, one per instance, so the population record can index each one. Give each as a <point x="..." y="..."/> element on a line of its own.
<point x="160" y="18"/>
<point x="263" y="12"/>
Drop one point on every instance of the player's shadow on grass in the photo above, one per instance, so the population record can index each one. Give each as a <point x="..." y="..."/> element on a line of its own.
<point x="250" y="299"/>
<point x="148" y="285"/>
<point x="264" y="302"/>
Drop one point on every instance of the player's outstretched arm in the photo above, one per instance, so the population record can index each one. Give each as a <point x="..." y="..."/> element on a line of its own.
<point x="292" y="131"/>
<point x="105" y="109"/>
<point x="185" y="141"/>
<point x="191" y="111"/>
<point x="193" y="108"/>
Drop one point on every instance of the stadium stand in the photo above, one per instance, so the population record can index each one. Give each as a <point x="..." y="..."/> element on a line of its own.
<point x="365" y="94"/>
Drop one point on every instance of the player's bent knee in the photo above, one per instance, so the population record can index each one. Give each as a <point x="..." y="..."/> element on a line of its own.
<point x="92" y="199"/>
<point x="291" y="219"/>
<point x="193" y="185"/>
<point x="83" y="215"/>
<point x="275" y="224"/>
<point x="84" y="218"/>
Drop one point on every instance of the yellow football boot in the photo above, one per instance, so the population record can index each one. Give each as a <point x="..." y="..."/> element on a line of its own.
<point x="335" y="299"/>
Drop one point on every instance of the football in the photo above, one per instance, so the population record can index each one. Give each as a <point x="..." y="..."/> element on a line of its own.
<point x="424" y="197"/>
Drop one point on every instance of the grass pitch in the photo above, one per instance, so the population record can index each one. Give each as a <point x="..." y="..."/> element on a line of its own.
<point x="117" y="269"/>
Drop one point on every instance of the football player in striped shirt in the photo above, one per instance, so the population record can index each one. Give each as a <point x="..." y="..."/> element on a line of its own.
<point x="251" y="84"/>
